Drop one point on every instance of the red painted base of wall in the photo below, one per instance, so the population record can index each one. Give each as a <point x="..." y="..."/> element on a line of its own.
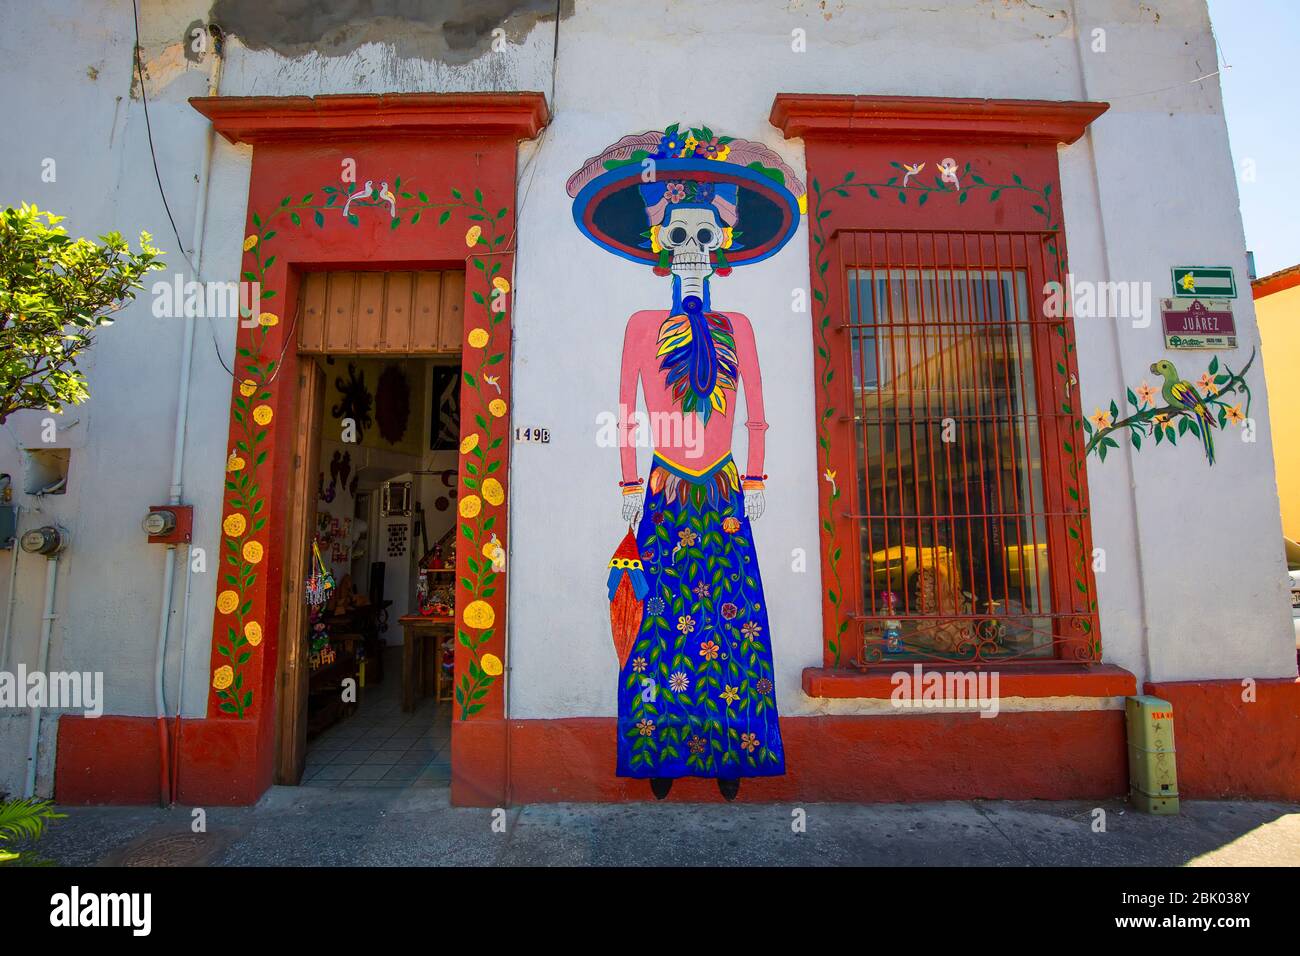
<point x="1229" y="748"/>
<point x="115" y="760"/>
<point x="1044" y="755"/>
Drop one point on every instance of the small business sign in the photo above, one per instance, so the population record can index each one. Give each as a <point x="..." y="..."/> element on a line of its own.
<point x="1192" y="282"/>
<point x="1198" y="324"/>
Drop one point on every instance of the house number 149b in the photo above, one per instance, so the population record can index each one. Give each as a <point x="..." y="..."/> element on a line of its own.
<point x="542" y="435"/>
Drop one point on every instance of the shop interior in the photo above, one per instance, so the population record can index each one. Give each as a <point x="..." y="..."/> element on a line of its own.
<point x="381" y="585"/>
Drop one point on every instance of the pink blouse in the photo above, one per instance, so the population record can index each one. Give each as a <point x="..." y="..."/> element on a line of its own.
<point x="674" y="438"/>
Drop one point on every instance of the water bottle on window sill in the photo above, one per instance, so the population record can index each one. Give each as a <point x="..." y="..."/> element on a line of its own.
<point x="893" y="627"/>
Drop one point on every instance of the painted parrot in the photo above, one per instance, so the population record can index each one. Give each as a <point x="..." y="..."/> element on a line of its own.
<point x="1182" y="394"/>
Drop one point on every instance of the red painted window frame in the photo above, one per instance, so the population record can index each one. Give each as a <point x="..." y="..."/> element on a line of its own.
<point x="855" y="139"/>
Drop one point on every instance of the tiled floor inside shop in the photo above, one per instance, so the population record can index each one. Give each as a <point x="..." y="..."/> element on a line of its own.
<point x="379" y="745"/>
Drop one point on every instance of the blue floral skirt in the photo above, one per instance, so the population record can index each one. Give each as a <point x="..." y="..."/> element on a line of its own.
<point x="697" y="697"/>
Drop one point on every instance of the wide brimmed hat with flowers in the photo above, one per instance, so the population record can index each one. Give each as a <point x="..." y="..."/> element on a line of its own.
<point x="757" y="197"/>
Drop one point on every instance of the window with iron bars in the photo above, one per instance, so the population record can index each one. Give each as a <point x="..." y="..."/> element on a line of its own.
<point x="959" y="510"/>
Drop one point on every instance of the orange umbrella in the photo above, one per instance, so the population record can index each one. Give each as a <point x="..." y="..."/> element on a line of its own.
<point x="627" y="591"/>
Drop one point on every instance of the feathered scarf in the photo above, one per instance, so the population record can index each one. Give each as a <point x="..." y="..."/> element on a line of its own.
<point x="698" y="352"/>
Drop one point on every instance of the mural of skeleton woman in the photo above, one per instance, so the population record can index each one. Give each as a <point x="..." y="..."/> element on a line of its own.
<point x="696" y="688"/>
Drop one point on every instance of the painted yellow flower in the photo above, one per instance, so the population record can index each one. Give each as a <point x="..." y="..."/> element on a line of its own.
<point x="227" y="601"/>
<point x="249" y="242"/>
<point x="1206" y="382"/>
<point x="478" y="338"/>
<point x="253" y="552"/>
<point x="470" y="506"/>
<point x="654" y="240"/>
<point x="1235" y="414"/>
<point x="471" y="236"/>
<point x="491" y="665"/>
<point x="247" y="387"/>
<point x="1099" y="419"/>
<point x="469" y="443"/>
<point x="234" y="463"/>
<point x="262" y="414"/>
<point x="253" y="632"/>
<point x="268" y="319"/>
<point x="731" y="694"/>
<point x="493" y="492"/>
<point x="223" y="677"/>
<point x="479" y="615"/>
<point x="234" y="525"/>
<point x="728" y="233"/>
<point x="501" y="284"/>
<point x="497" y="407"/>
<point x="803" y="203"/>
<point x="690" y="144"/>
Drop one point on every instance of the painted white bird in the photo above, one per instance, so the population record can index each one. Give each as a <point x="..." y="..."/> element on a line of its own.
<point x="363" y="194"/>
<point x="948" y="172"/>
<point x="912" y="170"/>
<point x="387" y="196"/>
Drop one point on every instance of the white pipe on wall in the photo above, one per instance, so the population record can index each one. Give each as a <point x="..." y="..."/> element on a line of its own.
<point x="47" y="627"/>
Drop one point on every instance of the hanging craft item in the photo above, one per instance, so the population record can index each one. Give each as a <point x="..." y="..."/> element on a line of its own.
<point x="320" y="582"/>
<point x="627" y="591"/>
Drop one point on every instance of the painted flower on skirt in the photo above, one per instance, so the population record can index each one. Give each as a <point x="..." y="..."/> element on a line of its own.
<point x="709" y="651"/>
<point x="638" y="664"/>
<point x="751" y="629"/>
<point x="646" y="726"/>
<point x="749" y="742"/>
<point x="729" y="610"/>
<point x="763" y="686"/>
<point x="687" y="538"/>
<point x="701" y="590"/>
<point x="675" y="192"/>
<point x="678" y="682"/>
<point x="696" y="744"/>
<point x="731" y="694"/>
<point x="686" y="624"/>
<point x="659" y="517"/>
<point x="655" y="605"/>
<point x="731" y="525"/>
<point x="704" y="192"/>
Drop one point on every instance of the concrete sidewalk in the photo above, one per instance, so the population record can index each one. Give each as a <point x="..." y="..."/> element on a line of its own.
<point x="304" y="826"/>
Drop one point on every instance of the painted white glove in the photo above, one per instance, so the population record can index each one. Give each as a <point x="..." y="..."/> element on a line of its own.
<point x="632" y="505"/>
<point x="754" y="504"/>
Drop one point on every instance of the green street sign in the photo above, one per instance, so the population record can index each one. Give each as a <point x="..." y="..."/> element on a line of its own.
<point x="1205" y="282"/>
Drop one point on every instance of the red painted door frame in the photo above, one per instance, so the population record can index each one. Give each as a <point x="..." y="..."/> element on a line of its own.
<point x="449" y="162"/>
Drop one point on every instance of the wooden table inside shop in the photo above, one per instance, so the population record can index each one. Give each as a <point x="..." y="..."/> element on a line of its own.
<point x="421" y="636"/>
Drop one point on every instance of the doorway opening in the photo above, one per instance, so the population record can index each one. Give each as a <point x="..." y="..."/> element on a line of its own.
<point x="367" y="663"/>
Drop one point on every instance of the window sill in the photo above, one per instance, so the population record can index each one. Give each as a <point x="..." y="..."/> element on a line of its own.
<point x="1048" y="679"/>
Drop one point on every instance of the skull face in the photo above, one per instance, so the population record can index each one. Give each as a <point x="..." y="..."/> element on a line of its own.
<point x="691" y="235"/>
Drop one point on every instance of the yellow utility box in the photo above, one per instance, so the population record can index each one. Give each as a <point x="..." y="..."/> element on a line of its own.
<point x="1152" y="770"/>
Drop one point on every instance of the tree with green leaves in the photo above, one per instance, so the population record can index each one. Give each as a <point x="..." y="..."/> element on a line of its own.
<point x="24" y="821"/>
<point x="54" y="292"/>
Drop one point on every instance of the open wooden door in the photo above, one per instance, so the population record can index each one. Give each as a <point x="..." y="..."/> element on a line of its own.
<point x="291" y="669"/>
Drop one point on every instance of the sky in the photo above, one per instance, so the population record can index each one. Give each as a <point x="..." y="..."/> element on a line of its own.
<point x="1259" y="41"/>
